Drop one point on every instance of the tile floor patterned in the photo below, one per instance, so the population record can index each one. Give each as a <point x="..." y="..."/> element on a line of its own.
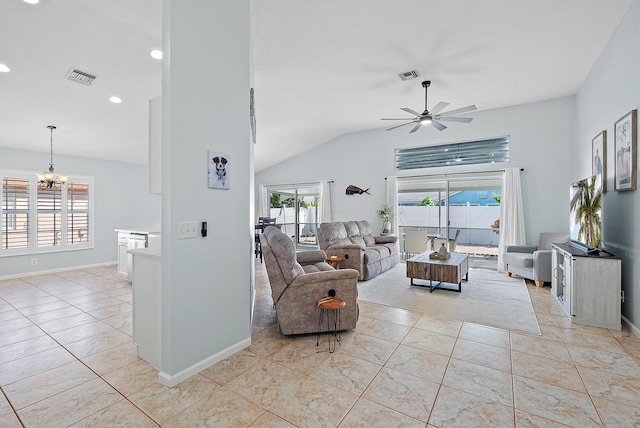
<point x="66" y="359"/>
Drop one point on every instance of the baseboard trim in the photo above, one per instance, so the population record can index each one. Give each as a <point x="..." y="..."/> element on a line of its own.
<point x="635" y="330"/>
<point x="172" y="380"/>
<point x="65" y="269"/>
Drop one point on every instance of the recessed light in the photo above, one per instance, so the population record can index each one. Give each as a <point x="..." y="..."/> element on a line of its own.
<point x="31" y="1"/>
<point x="4" y="68"/>
<point x="157" y="54"/>
<point x="115" y="100"/>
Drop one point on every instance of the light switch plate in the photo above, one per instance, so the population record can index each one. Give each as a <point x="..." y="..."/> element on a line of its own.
<point x="187" y="229"/>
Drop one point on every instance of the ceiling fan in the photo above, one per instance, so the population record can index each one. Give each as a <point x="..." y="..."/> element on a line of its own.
<point x="434" y="116"/>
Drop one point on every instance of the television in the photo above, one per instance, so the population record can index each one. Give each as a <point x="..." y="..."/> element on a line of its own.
<point x="585" y="219"/>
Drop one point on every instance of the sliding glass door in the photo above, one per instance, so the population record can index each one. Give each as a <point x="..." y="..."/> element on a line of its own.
<point x="422" y="210"/>
<point x="460" y="211"/>
<point x="295" y="209"/>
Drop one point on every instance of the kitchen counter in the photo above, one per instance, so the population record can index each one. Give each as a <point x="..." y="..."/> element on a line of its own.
<point x="153" y="253"/>
<point x="141" y="230"/>
<point x="133" y="239"/>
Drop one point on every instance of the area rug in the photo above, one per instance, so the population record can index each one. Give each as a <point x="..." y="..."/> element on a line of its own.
<point x="489" y="298"/>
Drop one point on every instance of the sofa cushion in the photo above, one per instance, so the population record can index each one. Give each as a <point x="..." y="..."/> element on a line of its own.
<point x="334" y="231"/>
<point x="383" y="250"/>
<point x="371" y="255"/>
<point x="364" y="227"/>
<point x="393" y="248"/>
<point x="357" y="240"/>
<point x="285" y="253"/>
<point x="524" y="260"/>
<point x="369" y="240"/>
<point x="317" y="267"/>
<point x="351" y="228"/>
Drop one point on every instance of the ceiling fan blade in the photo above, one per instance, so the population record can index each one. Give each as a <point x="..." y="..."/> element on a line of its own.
<point x="408" y="110"/>
<point x="458" y="111"/>
<point x="404" y="118"/>
<point x="398" y="126"/>
<point x="439" y="107"/>
<point x="415" y="128"/>
<point x="457" y="119"/>
<point x="438" y="125"/>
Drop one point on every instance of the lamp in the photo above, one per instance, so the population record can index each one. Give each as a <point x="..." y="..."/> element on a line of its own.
<point x="49" y="179"/>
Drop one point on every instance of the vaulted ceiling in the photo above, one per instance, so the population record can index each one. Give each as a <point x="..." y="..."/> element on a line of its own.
<point x="320" y="68"/>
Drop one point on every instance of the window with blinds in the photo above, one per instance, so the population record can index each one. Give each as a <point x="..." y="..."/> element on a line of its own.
<point x="15" y="213"/>
<point x="77" y="213"/>
<point x="36" y="220"/>
<point x="49" y="217"/>
<point x="491" y="150"/>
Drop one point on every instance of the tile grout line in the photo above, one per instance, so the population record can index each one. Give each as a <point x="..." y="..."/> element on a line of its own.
<point x="15" y="412"/>
<point x="98" y="376"/>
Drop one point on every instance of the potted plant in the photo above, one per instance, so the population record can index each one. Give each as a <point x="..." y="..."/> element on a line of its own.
<point x="385" y="212"/>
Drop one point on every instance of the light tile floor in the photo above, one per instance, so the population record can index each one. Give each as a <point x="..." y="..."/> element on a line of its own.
<point x="66" y="359"/>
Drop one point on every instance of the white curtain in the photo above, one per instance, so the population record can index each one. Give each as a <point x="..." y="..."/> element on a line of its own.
<point x="392" y="201"/>
<point x="263" y="201"/>
<point x="511" y="214"/>
<point x="325" y="202"/>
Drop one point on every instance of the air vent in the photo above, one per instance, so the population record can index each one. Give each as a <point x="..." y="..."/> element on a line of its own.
<point x="80" y="77"/>
<point x="408" y="75"/>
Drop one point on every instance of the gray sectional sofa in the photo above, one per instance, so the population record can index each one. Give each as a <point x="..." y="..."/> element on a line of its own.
<point x="353" y="241"/>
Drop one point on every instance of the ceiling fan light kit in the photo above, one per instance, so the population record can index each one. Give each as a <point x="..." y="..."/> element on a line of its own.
<point x="434" y="116"/>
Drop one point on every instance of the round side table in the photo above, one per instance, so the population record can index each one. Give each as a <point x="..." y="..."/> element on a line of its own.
<point x="334" y="261"/>
<point x="332" y="306"/>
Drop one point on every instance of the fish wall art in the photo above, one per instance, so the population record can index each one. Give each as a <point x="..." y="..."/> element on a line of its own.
<point x="354" y="190"/>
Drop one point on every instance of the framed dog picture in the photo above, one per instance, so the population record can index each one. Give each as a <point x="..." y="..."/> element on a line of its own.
<point x="219" y="176"/>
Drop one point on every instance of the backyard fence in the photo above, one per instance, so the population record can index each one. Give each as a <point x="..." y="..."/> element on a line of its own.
<point x="473" y="221"/>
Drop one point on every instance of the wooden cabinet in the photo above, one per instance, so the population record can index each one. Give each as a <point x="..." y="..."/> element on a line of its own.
<point x="587" y="286"/>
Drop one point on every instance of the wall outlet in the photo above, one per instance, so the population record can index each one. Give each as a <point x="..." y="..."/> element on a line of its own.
<point x="34" y="262"/>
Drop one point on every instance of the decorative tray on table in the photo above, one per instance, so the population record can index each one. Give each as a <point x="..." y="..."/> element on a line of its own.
<point x="437" y="256"/>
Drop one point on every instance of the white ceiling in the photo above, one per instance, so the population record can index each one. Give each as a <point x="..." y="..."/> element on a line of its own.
<point x="321" y="68"/>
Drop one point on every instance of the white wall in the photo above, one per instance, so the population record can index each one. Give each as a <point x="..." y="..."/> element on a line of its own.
<point x="541" y="142"/>
<point x="611" y="90"/>
<point x="205" y="291"/>
<point x="122" y="200"/>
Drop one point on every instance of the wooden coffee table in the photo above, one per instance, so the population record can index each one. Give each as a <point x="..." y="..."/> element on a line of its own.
<point x="450" y="270"/>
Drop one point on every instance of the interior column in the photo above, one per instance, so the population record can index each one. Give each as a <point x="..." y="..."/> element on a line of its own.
<point x="205" y="287"/>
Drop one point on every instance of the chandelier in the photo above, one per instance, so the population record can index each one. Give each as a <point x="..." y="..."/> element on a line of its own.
<point x="49" y="179"/>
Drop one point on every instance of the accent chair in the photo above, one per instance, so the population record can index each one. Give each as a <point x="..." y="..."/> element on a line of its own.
<point x="533" y="261"/>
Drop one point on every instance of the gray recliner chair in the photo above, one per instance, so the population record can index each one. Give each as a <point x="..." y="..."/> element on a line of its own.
<point x="297" y="280"/>
<point x="533" y="262"/>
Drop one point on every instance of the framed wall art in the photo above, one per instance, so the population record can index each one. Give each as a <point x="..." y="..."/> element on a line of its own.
<point x="219" y="171"/>
<point x="599" y="158"/>
<point x="625" y="140"/>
